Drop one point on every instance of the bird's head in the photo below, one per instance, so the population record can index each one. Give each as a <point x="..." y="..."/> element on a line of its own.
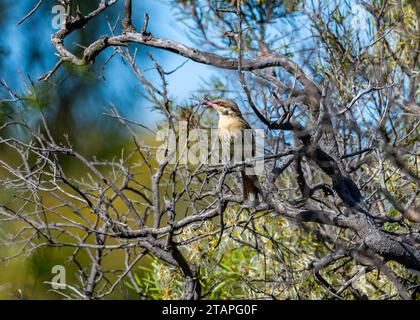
<point x="224" y="107"/>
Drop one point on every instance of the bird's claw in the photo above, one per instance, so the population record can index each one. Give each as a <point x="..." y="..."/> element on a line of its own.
<point x="250" y="203"/>
<point x="226" y="167"/>
<point x="249" y="162"/>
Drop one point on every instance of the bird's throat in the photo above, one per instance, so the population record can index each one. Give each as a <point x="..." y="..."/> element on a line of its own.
<point x="230" y="127"/>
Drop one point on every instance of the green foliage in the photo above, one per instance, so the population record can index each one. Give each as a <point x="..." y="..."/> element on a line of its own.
<point x="5" y="111"/>
<point x="274" y="265"/>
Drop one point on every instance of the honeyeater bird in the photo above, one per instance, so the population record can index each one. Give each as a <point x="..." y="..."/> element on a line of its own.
<point x="231" y="131"/>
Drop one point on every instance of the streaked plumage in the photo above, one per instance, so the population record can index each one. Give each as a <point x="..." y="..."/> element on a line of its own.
<point x="231" y="127"/>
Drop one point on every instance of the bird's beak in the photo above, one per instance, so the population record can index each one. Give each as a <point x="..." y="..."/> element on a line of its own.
<point x="211" y="104"/>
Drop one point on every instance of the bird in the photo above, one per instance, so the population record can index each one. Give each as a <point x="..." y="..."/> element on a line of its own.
<point x="231" y="130"/>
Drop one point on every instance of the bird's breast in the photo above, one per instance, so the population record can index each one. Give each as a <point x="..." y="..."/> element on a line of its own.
<point x="231" y="132"/>
<point x="230" y="128"/>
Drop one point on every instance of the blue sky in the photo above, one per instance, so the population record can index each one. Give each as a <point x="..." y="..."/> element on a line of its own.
<point x="121" y="82"/>
<point x="122" y="88"/>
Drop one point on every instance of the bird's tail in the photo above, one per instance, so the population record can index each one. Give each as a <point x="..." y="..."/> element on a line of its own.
<point x="252" y="188"/>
